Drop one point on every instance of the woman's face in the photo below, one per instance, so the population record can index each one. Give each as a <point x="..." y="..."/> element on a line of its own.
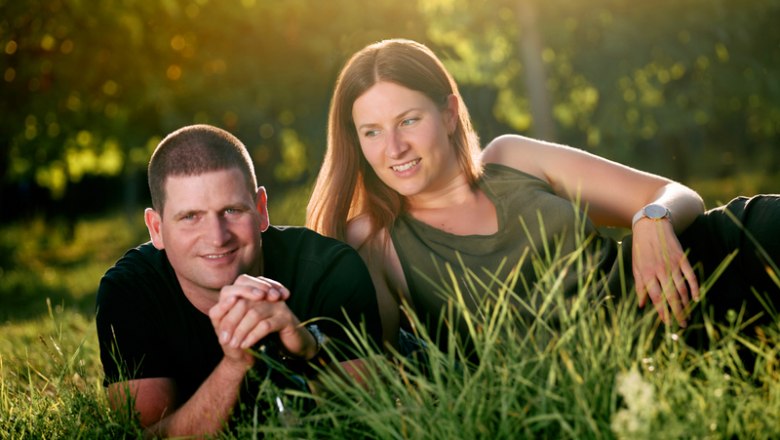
<point x="404" y="136"/>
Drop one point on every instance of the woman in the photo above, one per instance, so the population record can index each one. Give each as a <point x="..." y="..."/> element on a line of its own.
<point x="426" y="196"/>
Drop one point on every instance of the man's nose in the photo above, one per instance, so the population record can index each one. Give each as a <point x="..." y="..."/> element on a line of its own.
<point x="217" y="232"/>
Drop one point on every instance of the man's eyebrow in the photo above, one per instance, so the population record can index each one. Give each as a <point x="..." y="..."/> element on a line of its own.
<point x="186" y="212"/>
<point x="239" y="206"/>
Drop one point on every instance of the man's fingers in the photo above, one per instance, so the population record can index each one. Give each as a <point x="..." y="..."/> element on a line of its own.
<point x="251" y="329"/>
<point x="260" y="288"/>
<point x="259" y="331"/>
<point x="227" y="325"/>
<point x="220" y="309"/>
<point x="247" y="322"/>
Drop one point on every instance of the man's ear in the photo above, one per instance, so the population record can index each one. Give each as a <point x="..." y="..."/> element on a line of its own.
<point x="262" y="208"/>
<point x="153" y="222"/>
<point x="451" y="114"/>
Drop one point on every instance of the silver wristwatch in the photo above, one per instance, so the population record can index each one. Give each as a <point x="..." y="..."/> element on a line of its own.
<point x="653" y="211"/>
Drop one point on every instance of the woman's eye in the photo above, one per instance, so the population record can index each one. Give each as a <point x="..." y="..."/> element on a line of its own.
<point x="371" y="133"/>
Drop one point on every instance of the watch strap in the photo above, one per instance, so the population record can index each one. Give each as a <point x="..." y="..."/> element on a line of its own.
<point x="643" y="213"/>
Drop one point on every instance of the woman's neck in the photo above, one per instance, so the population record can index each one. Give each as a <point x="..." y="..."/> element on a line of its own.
<point x="457" y="209"/>
<point x="455" y="192"/>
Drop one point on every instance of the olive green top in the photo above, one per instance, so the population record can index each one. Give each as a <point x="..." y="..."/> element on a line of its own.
<point x="536" y="228"/>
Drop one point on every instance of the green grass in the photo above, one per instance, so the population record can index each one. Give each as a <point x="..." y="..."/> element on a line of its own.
<point x="582" y="368"/>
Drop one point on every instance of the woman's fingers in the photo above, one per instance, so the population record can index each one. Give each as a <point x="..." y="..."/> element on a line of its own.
<point x="662" y="271"/>
<point x="690" y="277"/>
<point x="665" y="290"/>
<point x="677" y="299"/>
<point x="657" y="298"/>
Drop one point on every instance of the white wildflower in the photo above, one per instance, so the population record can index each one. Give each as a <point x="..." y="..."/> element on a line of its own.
<point x="635" y="420"/>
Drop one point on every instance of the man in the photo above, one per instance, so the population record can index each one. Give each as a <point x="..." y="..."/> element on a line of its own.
<point x="177" y="317"/>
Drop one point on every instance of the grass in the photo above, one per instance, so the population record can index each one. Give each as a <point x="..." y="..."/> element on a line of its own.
<point x="50" y="372"/>
<point x="580" y="368"/>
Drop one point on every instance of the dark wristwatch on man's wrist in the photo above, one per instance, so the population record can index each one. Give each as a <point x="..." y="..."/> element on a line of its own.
<point x="319" y="337"/>
<point x="313" y="329"/>
<point x="653" y="211"/>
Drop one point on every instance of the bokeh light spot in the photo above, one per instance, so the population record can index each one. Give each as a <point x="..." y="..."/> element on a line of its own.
<point x="66" y="47"/>
<point x="174" y="72"/>
<point x="47" y="42"/>
<point x="10" y="47"/>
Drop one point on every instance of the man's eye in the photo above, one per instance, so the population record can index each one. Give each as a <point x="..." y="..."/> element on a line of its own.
<point x="409" y="121"/>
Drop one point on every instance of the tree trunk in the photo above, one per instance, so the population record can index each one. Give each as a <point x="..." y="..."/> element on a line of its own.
<point x="543" y="126"/>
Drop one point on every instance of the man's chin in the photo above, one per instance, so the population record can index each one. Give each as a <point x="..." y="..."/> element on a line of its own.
<point x="218" y="282"/>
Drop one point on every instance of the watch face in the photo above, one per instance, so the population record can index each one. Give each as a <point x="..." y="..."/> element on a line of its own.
<point x="655" y="211"/>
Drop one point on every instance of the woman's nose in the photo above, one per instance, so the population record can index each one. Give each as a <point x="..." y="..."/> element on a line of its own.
<point x="396" y="146"/>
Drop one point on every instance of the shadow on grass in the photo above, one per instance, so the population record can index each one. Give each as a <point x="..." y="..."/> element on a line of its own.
<point x="42" y="260"/>
<point x="29" y="303"/>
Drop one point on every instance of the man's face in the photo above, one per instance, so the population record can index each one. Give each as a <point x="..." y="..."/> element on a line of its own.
<point x="210" y="230"/>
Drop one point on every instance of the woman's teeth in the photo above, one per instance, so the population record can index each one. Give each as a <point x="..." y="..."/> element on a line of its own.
<point x="405" y="166"/>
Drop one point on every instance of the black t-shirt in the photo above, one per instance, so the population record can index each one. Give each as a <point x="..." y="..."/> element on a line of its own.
<point x="148" y="328"/>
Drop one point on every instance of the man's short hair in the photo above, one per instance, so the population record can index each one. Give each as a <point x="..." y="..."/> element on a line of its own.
<point x="195" y="150"/>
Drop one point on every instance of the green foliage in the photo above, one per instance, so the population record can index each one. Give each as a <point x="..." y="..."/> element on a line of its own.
<point x="654" y="84"/>
<point x="684" y="88"/>
<point x="90" y="88"/>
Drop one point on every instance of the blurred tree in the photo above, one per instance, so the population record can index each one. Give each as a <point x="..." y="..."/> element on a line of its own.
<point x="649" y="83"/>
<point x="89" y="87"/>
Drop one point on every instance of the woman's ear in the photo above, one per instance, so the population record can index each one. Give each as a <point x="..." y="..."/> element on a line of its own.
<point x="153" y="222"/>
<point x="262" y="208"/>
<point x="451" y="113"/>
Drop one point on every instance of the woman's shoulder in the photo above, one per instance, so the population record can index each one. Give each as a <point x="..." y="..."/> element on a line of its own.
<point x="374" y="245"/>
<point x="517" y="152"/>
<point x="361" y="233"/>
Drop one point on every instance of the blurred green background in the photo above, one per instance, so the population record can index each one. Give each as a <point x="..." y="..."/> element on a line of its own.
<point x="686" y="88"/>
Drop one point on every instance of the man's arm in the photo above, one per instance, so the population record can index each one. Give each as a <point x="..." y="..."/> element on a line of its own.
<point x="156" y="400"/>
<point x="206" y="412"/>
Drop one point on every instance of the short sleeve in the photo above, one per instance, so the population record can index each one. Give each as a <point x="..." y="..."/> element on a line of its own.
<point x="126" y="321"/>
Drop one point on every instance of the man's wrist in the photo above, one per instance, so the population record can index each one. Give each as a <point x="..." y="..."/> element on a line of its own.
<point x="237" y="367"/>
<point x="319" y="339"/>
<point x="309" y="350"/>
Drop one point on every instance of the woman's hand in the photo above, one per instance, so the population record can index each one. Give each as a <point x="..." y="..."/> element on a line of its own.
<point x="661" y="269"/>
